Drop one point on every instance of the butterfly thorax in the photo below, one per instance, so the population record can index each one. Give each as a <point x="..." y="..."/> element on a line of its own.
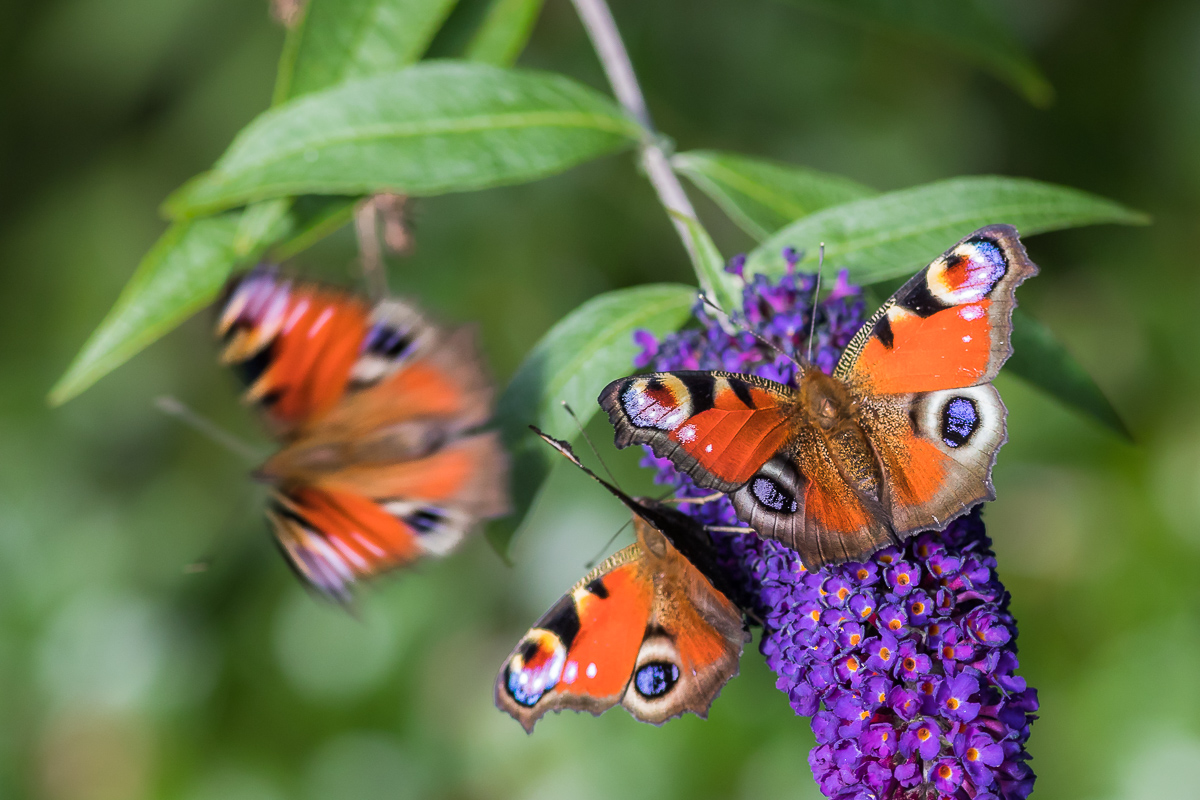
<point x="829" y="439"/>
<point x="825" y="402"/>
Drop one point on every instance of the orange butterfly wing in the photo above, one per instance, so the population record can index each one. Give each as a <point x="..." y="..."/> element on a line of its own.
<point x="717" y="427"/>
<point x="293" y="346"/>
<point x="645" y="629"/>
<point x="949" y="326"/>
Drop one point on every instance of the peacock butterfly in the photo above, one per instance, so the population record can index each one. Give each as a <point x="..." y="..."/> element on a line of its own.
<point x="652" y="628"/>
<point x="375" y="408"/>
<point x="900" y="438"/>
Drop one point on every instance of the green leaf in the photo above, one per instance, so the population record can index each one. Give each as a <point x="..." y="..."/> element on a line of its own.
<point x="256" y="225"/>
<point x="340" y="40"/>
<point x="575" y="360"/>
<point x="897" y="233"/>
<point x="182" y="273"/>
<point x="720" y="286"/>
<point x="504" y="32"/>
<point x="762" y="196"/>
<point x="432" y="128"/>
<point x="1040" y="359"/>
<point x="965" y="27"/>
<point x="313" y="218"/>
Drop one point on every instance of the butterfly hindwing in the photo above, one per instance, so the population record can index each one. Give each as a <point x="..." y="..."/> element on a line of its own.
<point x="936" y="451"/>
<point x="811" y="502"/>
<point x="947" y="327"/>
<point x="365" y="519"/>
<point x="717" y="427"/>
<point x="646" y="629"/>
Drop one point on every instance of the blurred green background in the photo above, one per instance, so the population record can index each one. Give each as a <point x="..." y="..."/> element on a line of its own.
<point x="127" y="672"/>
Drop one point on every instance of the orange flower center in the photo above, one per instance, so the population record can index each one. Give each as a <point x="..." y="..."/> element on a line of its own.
<point x="952" y="704"/>
<point x="885" y="654"/>
<point x="972" y="754"/>
<point x="910" y="664"/>
<point x="947" y="652"/>
<point x="852" y="665"/>
<point x="902" y="579"/>
<point x="863" y="574"/>
<point x="854" y="639"/>
<point x="918" y="607"/>
<point x="924" y="733"/>
<point x="944" y="772"/>
<point x="816" y="615"/>
<point x="895" y="624"/>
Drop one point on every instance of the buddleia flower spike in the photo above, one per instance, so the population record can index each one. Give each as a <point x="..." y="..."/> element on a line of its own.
<point x="906" y="661"/>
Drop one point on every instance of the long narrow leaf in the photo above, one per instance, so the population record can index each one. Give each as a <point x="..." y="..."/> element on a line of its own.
<point x="1042" y="360"/>
<point x="182" y="273"/>
<point x="762" y="196"/>
<point x="718" y="284"/>
<point x="340" y="40"/>
<point x="964" y="27"/>
<point x="313" y="218"/>
<point x="897" y="233"/>
<point x="429" y="129"/>
<point x="504" y="32"/>
<point x="575" y="360"/>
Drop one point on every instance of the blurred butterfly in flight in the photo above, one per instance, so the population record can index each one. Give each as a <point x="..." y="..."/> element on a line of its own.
<point x="377" y="410"/>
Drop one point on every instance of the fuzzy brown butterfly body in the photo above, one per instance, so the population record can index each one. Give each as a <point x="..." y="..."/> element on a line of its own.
<point x="653" y="628"/>
<point x="901" y="438"/>
<point x="375" y="407"/>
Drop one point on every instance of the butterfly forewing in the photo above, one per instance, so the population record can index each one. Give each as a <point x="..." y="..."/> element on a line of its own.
<point x="949" y="326"/>
<point x="717" y="427"/>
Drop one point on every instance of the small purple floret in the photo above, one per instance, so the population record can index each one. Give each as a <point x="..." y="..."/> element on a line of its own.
<point x="906" y="661"/>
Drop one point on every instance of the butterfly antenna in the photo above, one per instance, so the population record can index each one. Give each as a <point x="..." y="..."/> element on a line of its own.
<point x="588" y="439"/>
<point x="369" y="249"/>
<point x="600" y="553"/>
<point x="174" y="407"/>
<point x="741" y="326"/>
<point x="812" y="328"/>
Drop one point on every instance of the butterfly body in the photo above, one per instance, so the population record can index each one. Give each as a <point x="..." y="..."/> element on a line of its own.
<point x="653" y="628"/>
<point x="374" y="407"/>
<point x="900" y="438"/>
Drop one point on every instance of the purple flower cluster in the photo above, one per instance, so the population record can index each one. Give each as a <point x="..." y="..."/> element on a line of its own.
<point x="905" y="662"/>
